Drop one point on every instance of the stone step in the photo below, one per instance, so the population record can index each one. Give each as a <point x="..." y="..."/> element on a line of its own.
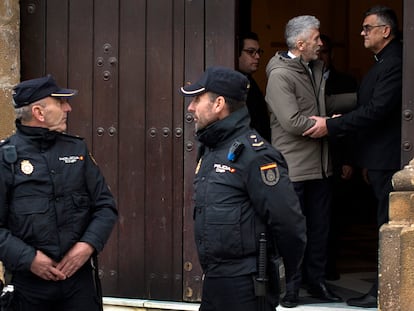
<point x="120" y="304"/>
<point x="349" y="285"/>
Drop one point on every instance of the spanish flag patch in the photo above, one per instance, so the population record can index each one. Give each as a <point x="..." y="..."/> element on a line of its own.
<point x="270" y="174"/>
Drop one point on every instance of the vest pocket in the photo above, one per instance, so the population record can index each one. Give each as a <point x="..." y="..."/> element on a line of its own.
<point x="31" y="219"/>
<point x="222" y="234"/>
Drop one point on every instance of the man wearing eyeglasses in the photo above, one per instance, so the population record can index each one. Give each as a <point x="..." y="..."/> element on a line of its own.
<point x="249" y="59"/>
<point x="376" y="121"/>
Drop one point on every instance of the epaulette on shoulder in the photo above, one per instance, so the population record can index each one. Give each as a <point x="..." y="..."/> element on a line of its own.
<point x="4" y="141"/>
<point x="72" y="136"/>
<point x="256" y="142"/>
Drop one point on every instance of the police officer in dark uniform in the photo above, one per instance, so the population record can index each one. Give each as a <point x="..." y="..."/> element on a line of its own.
<point x="242" y="189"/>
<point x="56" y="210"/>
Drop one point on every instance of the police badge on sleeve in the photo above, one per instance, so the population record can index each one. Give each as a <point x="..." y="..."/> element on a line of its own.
<point x="270" y="174"/>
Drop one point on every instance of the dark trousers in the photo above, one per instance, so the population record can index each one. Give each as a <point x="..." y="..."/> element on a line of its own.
<point x="315" y="200"/>
<point x="76" y="293"/>
<point x="231" y="293"/>
<point x="381" y="182"/>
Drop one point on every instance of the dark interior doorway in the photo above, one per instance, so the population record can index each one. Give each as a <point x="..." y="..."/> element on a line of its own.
<point x="354" y="244"/>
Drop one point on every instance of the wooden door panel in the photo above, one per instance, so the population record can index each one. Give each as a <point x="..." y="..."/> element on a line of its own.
<point x="220" y="32"/>
<point x="105" y="120"/>
<point x="160" y="276"/>
<point x="206" y="44"/>
<point x="178" y="148"/>
<point x="57" y="40"/>
<point x="80" y="68"/>
<point x="194" y="52"/>
<point x="132" y="135"/>
<point x="32" y="37"/>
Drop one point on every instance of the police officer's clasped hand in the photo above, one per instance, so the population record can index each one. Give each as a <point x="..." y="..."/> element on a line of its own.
<point x="75" y="258"/>
<point x="45" y="268"/>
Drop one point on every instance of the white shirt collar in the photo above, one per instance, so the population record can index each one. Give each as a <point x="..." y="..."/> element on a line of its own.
<point x="291" y="55"/>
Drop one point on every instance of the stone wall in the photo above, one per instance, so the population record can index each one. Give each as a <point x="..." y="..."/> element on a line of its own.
<point x="396" y="251"/>
<point x="9" y="62"/>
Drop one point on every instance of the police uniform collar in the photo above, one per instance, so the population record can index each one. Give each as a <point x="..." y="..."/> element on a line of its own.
<point x="39" y="135"/>
<point x="222" y="130"/>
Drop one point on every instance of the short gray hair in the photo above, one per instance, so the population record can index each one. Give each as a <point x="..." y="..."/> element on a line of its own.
<point x="25" y="113"/>
<point x="299" y="28"/>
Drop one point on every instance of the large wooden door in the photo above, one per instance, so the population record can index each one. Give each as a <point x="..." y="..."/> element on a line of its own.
<point x="128" y="59"/>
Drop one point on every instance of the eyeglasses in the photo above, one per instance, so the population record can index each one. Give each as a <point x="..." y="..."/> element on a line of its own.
<point x="253" y="52"/>
<point x="367" y="28"/>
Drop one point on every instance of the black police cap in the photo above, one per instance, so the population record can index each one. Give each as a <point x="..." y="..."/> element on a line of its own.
<point x="222" y="81"/>
<point x="33" y="90"/>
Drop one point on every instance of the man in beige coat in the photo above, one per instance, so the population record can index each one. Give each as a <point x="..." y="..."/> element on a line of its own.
<point x="295" y="91"/>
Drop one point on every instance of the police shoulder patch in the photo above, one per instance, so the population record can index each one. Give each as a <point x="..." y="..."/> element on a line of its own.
<point x="270" y="174"/>
<point x="256" y="141"/>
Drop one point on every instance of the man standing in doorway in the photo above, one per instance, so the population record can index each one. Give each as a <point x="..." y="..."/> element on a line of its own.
<point x="295" y="91"/>
<point x="249" y="60"/>
<point x="376" y="121"/>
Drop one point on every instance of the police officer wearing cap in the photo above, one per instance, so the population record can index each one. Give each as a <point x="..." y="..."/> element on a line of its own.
<point x="56" y="210"/>
<point x="243" y="195"/>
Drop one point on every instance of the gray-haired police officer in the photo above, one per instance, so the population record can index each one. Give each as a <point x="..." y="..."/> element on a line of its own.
<point x="56" y="210"/>
<point x="241" y="186"/>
